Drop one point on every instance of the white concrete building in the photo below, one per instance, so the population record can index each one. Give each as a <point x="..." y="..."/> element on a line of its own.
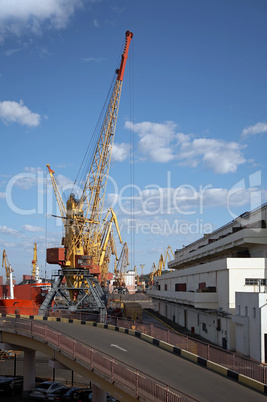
<point x="251" y="324"/>
<point x="200" y="294"/>
<point x="129" y="280"/>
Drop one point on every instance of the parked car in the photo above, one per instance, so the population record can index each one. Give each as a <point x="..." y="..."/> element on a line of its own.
<point x="57" y="394"/>
<point x="10" y="385"/>
<point x="76" y="393"/>
<point x="40" y="392"/>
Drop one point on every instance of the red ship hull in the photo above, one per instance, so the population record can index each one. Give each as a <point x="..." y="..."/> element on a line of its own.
<point x="27" y="298"/>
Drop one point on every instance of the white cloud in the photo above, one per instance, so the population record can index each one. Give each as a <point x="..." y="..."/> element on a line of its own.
<point x="13" y="112"/>
<point x="30" y="16"/>
<point x="93" y="59"/>
<point x="120" y="152"/>
<point x="160" y="143"/>
<point x="9" y="231"/>
<point x="255" y="129"/>
<point x="34" y="229"/>
<point x="155" y="139"/>
<point x="217" y="155"/>
<point x="10" y="52"/>
<point x="96" y="23"/>
<point x="184" y="200"/>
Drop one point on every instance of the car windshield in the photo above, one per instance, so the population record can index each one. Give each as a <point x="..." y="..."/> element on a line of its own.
<point x="60" y="391"/>
<point x="44" y="386"/>
<point x="72" y="390"/>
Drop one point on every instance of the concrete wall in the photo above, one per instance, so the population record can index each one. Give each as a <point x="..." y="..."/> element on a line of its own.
<point x="251" y="324"/>
<point x="186" y="308"/>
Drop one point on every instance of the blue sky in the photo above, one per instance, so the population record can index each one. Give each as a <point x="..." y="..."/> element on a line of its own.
<point x="192" y="118"/>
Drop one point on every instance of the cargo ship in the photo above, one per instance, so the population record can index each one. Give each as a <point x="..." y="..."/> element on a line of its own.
<point x="26" y="297"/>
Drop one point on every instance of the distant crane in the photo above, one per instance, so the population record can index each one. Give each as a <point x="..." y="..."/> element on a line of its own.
<point x="88" y="241"/>
<point x="142" y="269"/>
<point x="9" y="274"/>
<point x="120" y="269"/>
<point x="156" y="271"/>
<point x="7" y="266"/>
<point x="35" y="268"/>
<point x="34" y="261"/>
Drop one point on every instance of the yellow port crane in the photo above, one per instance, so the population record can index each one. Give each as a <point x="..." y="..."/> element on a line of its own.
<point x="7" y="266"/>
<point x="156" y="271"/>
<point x="108" y="244"/>
<point x="120" y="269"/>
<point x="34" y="261"/>
<point x="87" y="241"/>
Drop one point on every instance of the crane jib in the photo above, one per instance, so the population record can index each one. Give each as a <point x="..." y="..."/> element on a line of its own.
<point x="124" y="56"/>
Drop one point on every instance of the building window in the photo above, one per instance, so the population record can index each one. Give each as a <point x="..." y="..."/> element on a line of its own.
<point x="218" y="324"/>
<point x="254" y="312"/>
<point x="238" y="310"/>
<point x="246" y="311"/>
<point x="158" y="287"/>
<point x="165" y="287"/>
<point x="180" y="287"/>
<point x="255" y="281"/>
<point x="204" y="327"/>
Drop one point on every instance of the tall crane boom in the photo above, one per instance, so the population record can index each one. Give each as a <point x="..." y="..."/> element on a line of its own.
<point x="57" y="192"/>
<point x="87" y="242"/>
<point x="92" y="199"/>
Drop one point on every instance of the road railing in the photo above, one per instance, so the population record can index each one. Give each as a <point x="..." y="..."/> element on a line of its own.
<point x="135" y="382"/>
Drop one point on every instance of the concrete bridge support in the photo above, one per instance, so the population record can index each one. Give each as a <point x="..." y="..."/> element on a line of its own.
<point x="28" y="371"/>
<point x="98" y="394"/>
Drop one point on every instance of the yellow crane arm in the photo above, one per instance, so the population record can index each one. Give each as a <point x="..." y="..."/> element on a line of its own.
<point x="122" y="265"/>
<point x="105" y="232"/>
<point x="61" y="205"/>
<point x="168" y="254"/>
<point x="94" y="190"/>
<point x="152" y="273"/>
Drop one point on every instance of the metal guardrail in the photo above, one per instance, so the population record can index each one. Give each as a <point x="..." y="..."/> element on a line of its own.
<point x="231" y="360"/>
<point x="225" y="358"/>
<point x="135" y="382"/>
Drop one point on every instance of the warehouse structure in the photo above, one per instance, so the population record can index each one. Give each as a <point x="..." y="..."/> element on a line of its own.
<point x="217" y="288"/>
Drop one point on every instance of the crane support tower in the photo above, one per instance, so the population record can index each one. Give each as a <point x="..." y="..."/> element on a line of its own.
<point x="87" y="242"/>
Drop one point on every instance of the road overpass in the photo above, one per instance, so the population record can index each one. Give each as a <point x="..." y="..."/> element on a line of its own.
<point x="128" y="367"/>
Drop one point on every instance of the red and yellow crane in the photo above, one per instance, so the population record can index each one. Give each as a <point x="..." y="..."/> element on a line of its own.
<point x="88" y="241"/>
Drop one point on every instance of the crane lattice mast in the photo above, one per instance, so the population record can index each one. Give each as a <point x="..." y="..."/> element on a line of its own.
<point x="87" y="242"/>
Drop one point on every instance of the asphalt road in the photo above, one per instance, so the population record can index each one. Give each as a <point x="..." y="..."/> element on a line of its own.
<point x="175" y="371"/>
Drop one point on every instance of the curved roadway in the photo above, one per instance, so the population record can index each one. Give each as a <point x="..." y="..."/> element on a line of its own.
<point x="175" y="371"/>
